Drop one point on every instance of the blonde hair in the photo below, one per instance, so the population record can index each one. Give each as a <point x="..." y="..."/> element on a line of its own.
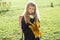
<point x="37" y="15"/>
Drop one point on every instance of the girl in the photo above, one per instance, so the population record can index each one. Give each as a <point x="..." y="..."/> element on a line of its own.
<point x="27" y="23"/>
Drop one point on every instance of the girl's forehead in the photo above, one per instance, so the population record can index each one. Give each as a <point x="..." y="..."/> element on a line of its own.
<point x="31" y="6"/>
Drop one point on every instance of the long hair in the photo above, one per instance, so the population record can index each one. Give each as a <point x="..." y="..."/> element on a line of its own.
<point x="26" y="16"/>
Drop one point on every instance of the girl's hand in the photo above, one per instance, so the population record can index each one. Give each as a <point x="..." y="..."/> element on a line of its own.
<point x="20" y="30"/>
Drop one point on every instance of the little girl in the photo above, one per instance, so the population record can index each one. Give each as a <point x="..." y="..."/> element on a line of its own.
<point x="30" y="16"/>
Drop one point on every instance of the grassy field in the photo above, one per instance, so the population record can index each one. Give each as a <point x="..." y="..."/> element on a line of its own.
<point x="50" y="20"/>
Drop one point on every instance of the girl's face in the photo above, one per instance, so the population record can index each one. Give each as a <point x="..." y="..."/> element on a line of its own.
<point x="31" y="9"/>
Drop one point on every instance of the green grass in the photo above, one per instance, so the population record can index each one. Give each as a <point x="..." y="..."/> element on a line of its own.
<point x="50" y="21"/>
